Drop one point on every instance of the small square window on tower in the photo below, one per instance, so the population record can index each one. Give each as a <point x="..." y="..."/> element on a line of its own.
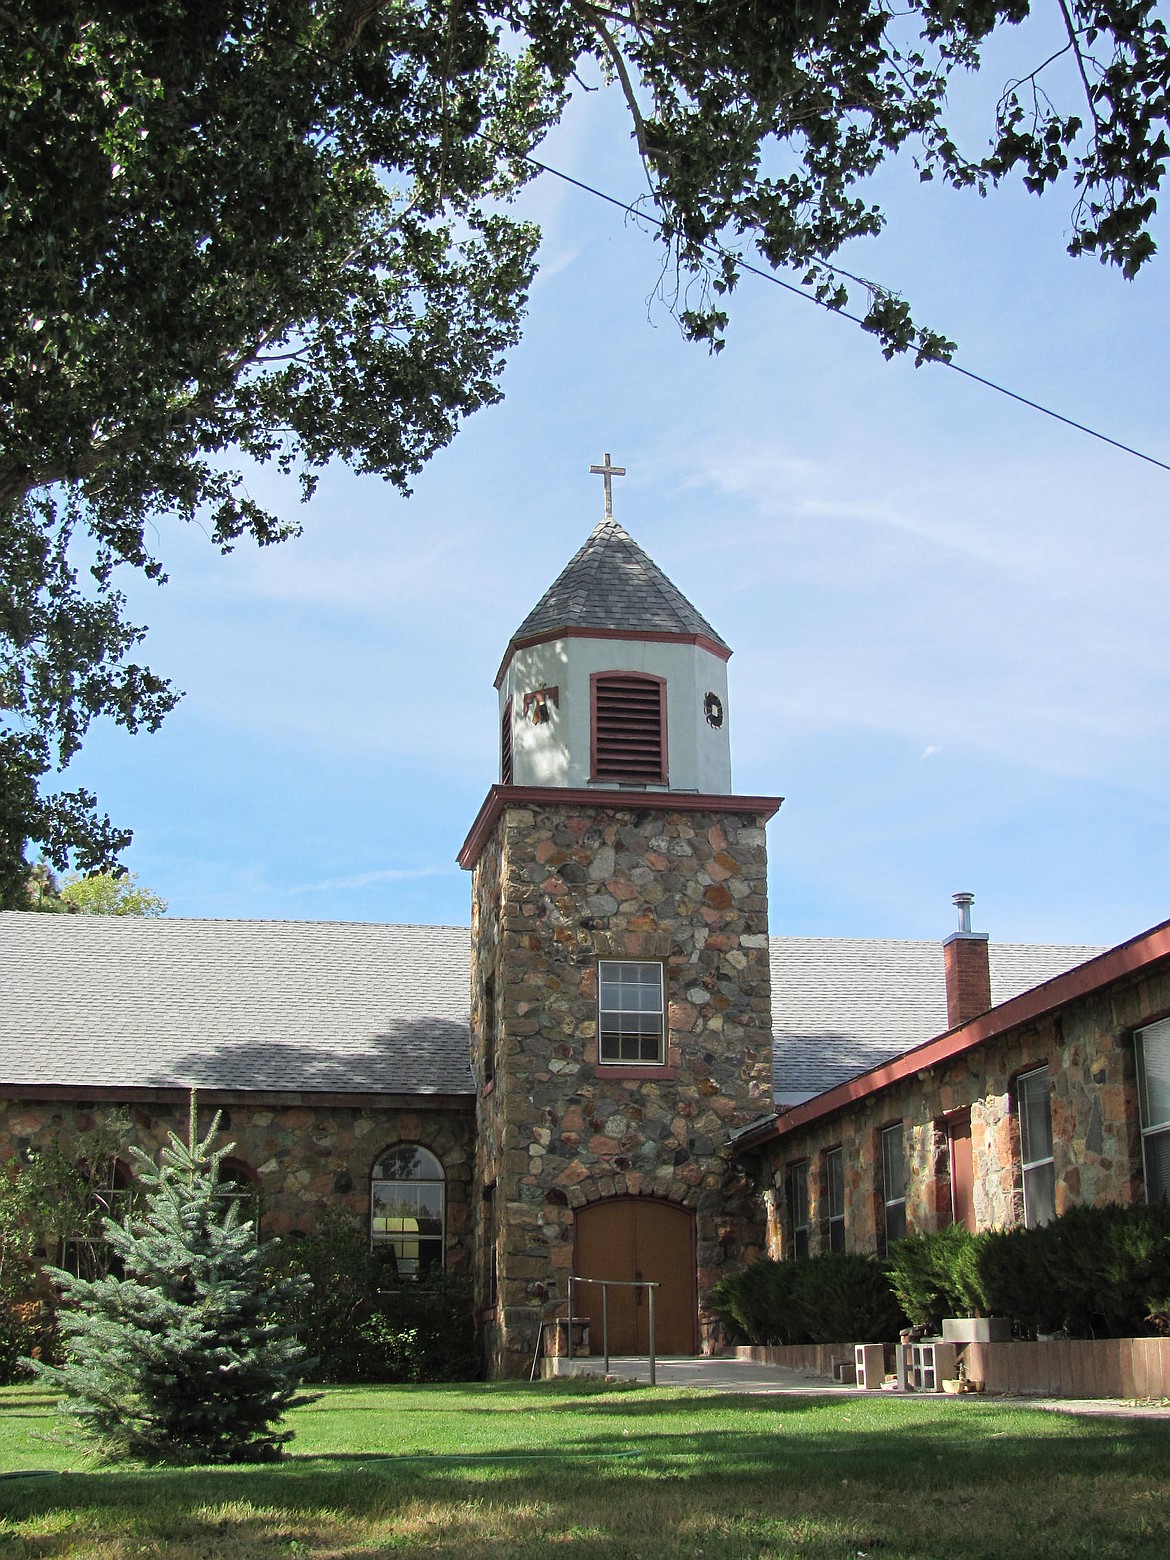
<point x="630" y="1012"/>
<point x="629" y="728"/>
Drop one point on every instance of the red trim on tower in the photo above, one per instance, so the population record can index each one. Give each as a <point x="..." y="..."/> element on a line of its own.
<point x="633" y="800"/>
<point x="637" y="636"/>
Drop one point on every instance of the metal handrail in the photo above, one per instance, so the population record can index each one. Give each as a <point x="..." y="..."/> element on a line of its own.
<point x="606" y="1285"/>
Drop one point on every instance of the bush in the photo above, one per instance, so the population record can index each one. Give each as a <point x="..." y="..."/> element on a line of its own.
<point x="1109" y="1266"/>
<point x="937" y="1275"/>
<point x="1093" y="1272"/>
<point x="756" y="1303"/>
<point x="841" y="1297"/>
<point x="26" y="1333"/>
<point x="423" y="1332"/>
<point x="845" y="1297"/>
<point x="343" y="1275"/>
<point x="1018" y="1276"/>
<point x="358" y="1324"/>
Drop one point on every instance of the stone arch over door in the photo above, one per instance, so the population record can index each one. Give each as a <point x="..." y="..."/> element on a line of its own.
<point x="639" y="1240"/>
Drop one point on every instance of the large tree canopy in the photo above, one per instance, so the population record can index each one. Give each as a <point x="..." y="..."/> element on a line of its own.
<point x="279" y="231"/>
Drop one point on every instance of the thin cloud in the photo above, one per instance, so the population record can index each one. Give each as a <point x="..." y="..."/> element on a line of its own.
<point x="364" y="879"/>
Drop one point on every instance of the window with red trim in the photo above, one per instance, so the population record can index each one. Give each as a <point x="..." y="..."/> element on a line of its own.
<point x="629" y="728"/>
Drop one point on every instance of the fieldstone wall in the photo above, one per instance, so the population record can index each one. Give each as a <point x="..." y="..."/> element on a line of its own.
<point x="555" y="889"/>
<point x="1088" y="1050"/>
<point x="306" y="1158"/>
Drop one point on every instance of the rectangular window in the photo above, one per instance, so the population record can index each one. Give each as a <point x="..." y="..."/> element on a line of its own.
<point x="796" y="1191"/>
<point x="894" y="1183"/>
<point x="1153" y="1065"/>
<point x="835" y="1197"/>
<point x="629" y="728"/>
<point x="490" y="1240"/>
<point x="488" y="1038"/>
<point x="630" y="1012"/>
<point x="1035" y="1111"/>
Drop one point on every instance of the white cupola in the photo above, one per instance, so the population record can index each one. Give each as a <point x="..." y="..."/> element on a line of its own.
<point x="614" y="681"/>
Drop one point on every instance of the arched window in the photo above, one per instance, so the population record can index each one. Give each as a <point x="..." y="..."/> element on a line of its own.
<point x="240" y="1183"/>
<point x="407" y="1209"/>
<point x="100" y="1193"/>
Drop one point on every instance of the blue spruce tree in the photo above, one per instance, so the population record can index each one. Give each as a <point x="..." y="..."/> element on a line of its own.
<point x="184" y="1358"/>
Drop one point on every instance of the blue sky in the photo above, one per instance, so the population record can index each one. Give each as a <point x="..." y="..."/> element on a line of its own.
<point x="948" y="612"/>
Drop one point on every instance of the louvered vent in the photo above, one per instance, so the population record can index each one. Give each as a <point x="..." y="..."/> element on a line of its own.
<point x="629" y="728"/>
<point x="506" y="745"/>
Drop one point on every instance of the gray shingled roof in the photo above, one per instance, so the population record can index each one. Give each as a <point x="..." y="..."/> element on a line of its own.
<point x="291" y="1005"/>
<point x="841" y="1005"/>
<point x="612" y="584"/>
<point x="309" y="1006"/>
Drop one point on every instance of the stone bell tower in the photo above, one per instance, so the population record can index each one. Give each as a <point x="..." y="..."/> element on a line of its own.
<point x="621" y="999"/>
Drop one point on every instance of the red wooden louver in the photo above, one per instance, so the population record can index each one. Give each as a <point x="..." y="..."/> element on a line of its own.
<point x="629" y="727"/>
<point x="506" y="745"/>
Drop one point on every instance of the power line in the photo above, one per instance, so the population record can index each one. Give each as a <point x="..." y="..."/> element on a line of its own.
<point x="778" y="281"/>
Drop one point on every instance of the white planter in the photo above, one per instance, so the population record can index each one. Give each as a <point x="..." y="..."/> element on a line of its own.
<point x="976" y="1329"/>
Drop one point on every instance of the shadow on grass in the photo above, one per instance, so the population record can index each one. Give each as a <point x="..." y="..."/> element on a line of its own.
<point x="923" y="1487"/>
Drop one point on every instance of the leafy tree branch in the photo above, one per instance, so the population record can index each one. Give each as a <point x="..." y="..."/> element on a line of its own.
<point x="277" y="231"/>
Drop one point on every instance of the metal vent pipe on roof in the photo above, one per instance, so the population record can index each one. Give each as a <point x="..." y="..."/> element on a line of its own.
<point x="964" y="901"/>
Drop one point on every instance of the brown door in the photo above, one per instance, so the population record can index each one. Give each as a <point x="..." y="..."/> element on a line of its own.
<point x="962" y="1172"/>
<point x="639" y="1241"/>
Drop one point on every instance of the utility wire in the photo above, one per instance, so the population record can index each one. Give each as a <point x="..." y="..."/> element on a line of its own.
<point x="718" y="252"/>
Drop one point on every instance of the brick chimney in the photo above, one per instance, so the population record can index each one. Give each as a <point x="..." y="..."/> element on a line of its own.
<point x="967" y="970"/>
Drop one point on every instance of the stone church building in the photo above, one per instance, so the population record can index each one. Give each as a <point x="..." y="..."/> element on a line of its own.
<point x="597" y="1080"/>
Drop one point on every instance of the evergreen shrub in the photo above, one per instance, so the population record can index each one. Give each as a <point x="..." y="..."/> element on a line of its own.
<point x="183" y="1358"/>
<point x="359" y="1323"/>
<point x="937" y="1275"/>
<point x="845" y="1297"/>
<point x="756" y="1304"/>
<point x="1092" y="1272"/>
<point x="841" y="1297"/>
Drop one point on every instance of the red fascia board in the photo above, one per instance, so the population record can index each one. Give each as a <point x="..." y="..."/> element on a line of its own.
<point x="1095" y="974"/>
<point x="644" y="636"/>
<point x="501" y="796"/>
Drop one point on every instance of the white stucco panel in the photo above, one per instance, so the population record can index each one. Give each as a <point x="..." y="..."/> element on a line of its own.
<point x="557" y="751"/>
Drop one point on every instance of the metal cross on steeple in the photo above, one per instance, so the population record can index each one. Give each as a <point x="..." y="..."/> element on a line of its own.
<point x="608" y="472"/>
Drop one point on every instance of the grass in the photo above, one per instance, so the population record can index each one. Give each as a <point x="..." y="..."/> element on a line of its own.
<point x="515" y="1472"/>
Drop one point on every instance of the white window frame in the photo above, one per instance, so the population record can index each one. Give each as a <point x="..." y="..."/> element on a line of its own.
<point x="418" y="1250"/>
<point x="621" y="1031"/>
<point x="1155" y="1126"/>
<point x="887" y="1135"/>
<point x="1035" y="1168"/>
<point x="835" y="1206"/>
<point x="796" y="1175"/>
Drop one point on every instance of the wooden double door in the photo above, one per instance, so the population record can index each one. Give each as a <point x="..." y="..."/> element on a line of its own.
<point x="639" y="1241"/>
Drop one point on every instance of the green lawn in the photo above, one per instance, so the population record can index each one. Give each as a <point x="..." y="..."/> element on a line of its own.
<point x="515" y="1471"/>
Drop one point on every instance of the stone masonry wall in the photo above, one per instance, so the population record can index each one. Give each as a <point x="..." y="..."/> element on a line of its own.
<point x="556" y="889"/>
<point x="308" y="1159"/>
<point x="1088" y="1050"/>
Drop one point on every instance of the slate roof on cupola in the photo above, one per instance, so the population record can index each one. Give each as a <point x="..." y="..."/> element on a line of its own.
<point x="296" y="1006"/>
<point x="611" y="584"/>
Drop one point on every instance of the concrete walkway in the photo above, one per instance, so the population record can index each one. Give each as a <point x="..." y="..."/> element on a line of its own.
<point x="731" y="1375"/>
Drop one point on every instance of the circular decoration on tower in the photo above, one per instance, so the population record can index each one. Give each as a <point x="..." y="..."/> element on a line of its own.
<point x="713" y="710"/>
